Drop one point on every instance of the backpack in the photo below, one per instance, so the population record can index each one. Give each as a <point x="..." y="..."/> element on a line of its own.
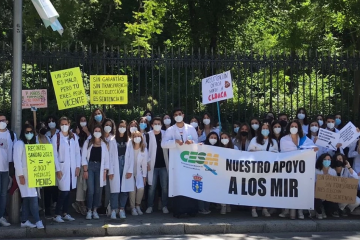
<point x="12" y="135"/>
<point x="58" y="140"/>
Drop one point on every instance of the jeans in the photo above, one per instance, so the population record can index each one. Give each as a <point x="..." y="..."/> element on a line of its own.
<point x="203" y="206"/>
<point x="121" y="197"/>
<point x="30" y="204"/>
<point x="163" y="175"/>
<point x="4" y="183"/>
<point x="93" y="186"/>
<point x="62" y="203"/>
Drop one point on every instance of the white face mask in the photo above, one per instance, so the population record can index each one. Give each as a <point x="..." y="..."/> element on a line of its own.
<point x="137" y="140"/>
<point x="314" y="129"/>
<point x="179" y="119"/>
<point x="83" y="124"/>
<point x="65" y="128"/>
<point x="330" y="125"/>
<point x="167" y="121"/>
<point x="206" y="121"/>
<point x="212" y="141"/>
<point x="97" y="134"/>
<point x="107" y="129"/>
<point x="133" y="129"/>
<point x="321" y="122"/>
<point x="194" y="124"/>
<point x="148" y="118"/>
<point x="52" y="125"/>
<point x="293" y="130"/>
<point x="122" y="130"/>
<point x="301" y="116"/>
<point x="255" y="126"/>
<point x="157" y="127"/>
<point x="225" y="141"/>
<point x="277" y="130"/>
<point x="3" y="125"/>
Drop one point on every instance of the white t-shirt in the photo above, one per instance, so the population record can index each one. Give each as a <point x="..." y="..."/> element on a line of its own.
<point x="6" y="146"/>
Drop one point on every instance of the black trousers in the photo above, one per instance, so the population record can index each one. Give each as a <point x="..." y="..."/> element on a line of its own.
<point x="330" y="207"/>
<point x="51" y="193"/>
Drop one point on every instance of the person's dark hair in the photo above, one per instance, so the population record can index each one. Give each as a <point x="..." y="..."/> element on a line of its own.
<point x="212" y="122"/>
<point x="113" y="125"/>
<point x="156" y="119"/>
<point x="92" y="122"/>
<point x="334" y="159"/>
<point x="117" y="137"/>
<point x="54" y="119"/>
<point x="319" y="160"/>
<point x="22" y="134"/>
<point x="92" y="140"/>
<point x="300" y="131"/>
<point x="260" y="137"/>
<point x="207" y="142"/>
<point x="283" y="114"/>
<point x="249" y="136"/>
<point x="266" y="114"/>
<point x="148" y="111"/>
<point x="128" y="127"/>
<point x="200" y="124"/>
<point x="162" y="121"/>
<point x="327" y="118"/>
<point x="272" y="129"/>
<point x="306" y="115"/>
<point x="309" y="128"/>
<point x="230" y="144"/>
<point x="176" y="110"/>
<point x="2" y="114"/>
<point x="147" y="129"/>
<point x="82" y="135"/>
<point x="253" y="132"/>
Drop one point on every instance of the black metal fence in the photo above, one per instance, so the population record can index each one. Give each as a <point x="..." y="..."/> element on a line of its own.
<point x="168" y="78"/>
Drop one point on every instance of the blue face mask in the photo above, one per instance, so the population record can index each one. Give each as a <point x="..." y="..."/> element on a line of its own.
<point x="98" y="118"/>
<point x="337" y="121"/>
<point x="143" y="126"/>
<point x="29" y="136"/>
<point x="326" y="163"/>
<point x="265" y="132"/>
<point x="236" y="130"/>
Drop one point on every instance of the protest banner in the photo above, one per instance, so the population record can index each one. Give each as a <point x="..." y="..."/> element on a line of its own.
<point x="348" y="134"/>
<point x="336" y="189"/>
<point x="40" y="165"/>
<point x="108" y="89"/>
<point x="34" y="98"/>
<point x="262" y="179"/>
<point x="327" y="139"/>
<point x="217" y="88"/>
<point x="69" y="88"/>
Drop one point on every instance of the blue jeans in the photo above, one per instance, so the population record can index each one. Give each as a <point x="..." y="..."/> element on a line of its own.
<point x="203" y="206"/>
<point x="4" y="183"/>
<point x="163" y="175"/>
<point x="93" y="186"/>
<point x="122" y="196"/>
<point x="62" y="203"/>
<point x="30" y="204"/>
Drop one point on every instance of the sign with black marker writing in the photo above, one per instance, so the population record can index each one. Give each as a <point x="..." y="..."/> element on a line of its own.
<point x="327" y="139"/>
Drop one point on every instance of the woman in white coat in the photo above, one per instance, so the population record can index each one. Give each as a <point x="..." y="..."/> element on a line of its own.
<point x="29" y="195"/>
<point x="95" y="163"/>
<point x="134" y="180"/>
<point x="67" y="164"/>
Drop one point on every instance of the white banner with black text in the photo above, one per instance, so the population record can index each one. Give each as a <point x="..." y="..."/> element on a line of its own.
<point x="227" y="176"/>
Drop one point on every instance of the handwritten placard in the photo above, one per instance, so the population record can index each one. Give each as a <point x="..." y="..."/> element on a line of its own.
<point x="327" y="139"/>
<point x="69" y="88"/>
<point x="108" y="89"/>
<point x="217" y="88"/>
<point x="348" y="134"/>
<point x="34" y="98"/>
<point x="336" y="189"/>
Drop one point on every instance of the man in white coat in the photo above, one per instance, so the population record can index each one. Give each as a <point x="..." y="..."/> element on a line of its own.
<point x="158" y="165"/>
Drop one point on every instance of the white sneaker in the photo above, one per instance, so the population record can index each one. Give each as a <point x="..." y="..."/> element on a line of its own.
<point x="67" y="217"/>
<point x="113" y="214"/>
<point x="254" y="213"/>
<point x="319" y="216"/>
<point x="300" y="214"/>
<point x="4" y="223"/>
<point x="39" y="225"/>
<point x="223" y="209"/>
<point x="139" y="210"/>
<point x="95" y="215"/>
<point x="265" y="213"/>
<point x="28" y="224"/>
<point x="284" y="213"/>
<point x="58" y="219"/>
<point x="228" y="208"/>
<point x="89" y="215"/>
<point x="122" y="214"/>
<point x="149" y="210"/>
<point x="134" y="212"/>
<point x="165" y="210"/>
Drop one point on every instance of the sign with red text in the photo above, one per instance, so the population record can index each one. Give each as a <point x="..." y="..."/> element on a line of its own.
<point x="217" y="88"/>
<point x="34" y="98"/>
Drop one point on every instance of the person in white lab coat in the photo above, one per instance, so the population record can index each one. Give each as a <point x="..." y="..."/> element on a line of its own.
<point x="134" y="180"/>
<point x="330" y="126"/>
<point x="52" y="126"/>
<point x="208" y="126"/>
<point x="95" y="163"/>
<point x="29" y="195"/>
<point x="67" y="163"/>
<point x="302" y="117"/>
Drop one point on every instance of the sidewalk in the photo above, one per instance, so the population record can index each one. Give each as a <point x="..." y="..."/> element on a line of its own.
<point x="165" y="224"/>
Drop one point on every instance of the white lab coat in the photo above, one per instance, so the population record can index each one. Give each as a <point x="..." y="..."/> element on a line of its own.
<point x="86" y="151"/>
<point x="128" y="185"/>
<point x="203" y="136"/>
<point x="172" y="134"/>
<point x="20" y="164"/>
<point x="66" y="160"/>
<point x="115" y="183"/>
<point x="287" y="145"/>
<point x="152" y="155"/>
<point x="254" y="146"/>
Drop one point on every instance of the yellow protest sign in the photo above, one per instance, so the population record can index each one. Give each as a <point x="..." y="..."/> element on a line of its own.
<point x="40" y="165"/>
<point x="108" y="89"/>
<point x="69" y="88"/>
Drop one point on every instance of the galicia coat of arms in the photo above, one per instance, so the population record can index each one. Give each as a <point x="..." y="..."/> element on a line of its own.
<point x="197" y="184"/>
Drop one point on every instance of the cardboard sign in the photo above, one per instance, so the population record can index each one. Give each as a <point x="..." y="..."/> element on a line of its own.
<point x="327" y="139"/>
<point x="69" y="88"/>
<point x="217" y="88"/>
<point x="40" y="165"/>
<point x="336" y="189"/>
<point x="108" y="89"/>
<point x="34" y="98"/>
<point x="348" y="134"/>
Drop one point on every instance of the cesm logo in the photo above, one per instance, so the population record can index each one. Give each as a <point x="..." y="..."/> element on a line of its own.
<point x="201" y="158"/>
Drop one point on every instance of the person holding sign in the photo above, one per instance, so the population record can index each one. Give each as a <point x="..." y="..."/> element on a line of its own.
<point x="67" y="163"/>
<point x="29" y="195"/>
<point x="330" y="126"/>
<point x="243" y="137"/>
<point x="97" y="118"/>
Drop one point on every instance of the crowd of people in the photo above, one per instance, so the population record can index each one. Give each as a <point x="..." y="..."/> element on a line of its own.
<point x="114" y="164"/>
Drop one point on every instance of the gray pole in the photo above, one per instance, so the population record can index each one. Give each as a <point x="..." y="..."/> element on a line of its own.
<point x="14" y="214"/>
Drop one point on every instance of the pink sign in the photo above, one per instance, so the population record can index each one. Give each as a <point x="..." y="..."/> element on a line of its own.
<point x="34" y="98"/>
